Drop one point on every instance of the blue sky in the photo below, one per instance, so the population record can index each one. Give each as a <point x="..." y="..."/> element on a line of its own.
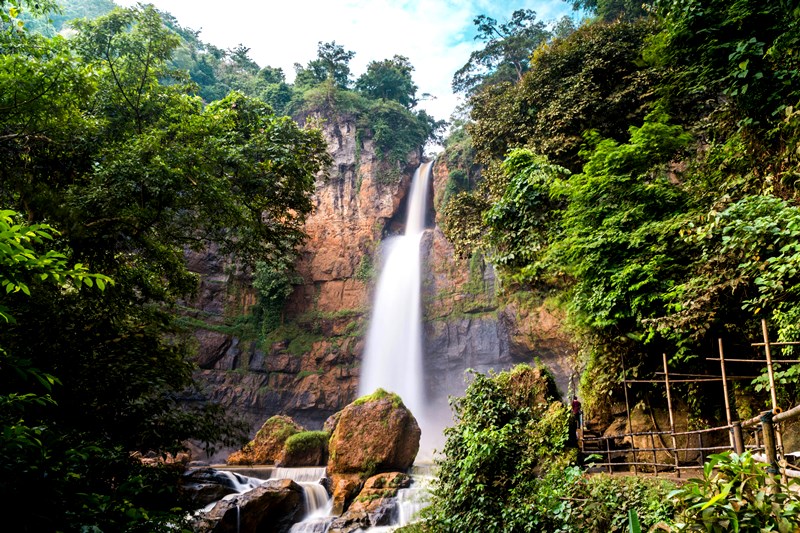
<point x="436" y="35"/>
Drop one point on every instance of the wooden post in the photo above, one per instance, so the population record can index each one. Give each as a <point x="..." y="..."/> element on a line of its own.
<point x="655" y="458"/>
<point x="628" y="413"/>
<point x="671" y="419"/>
<point x="725" y="391"/>
<point x="773" y="393"/>
<point x="608" y="455"/>
<point x="768" y="429"/>
<point x="758" y="440"/>
<point x="738" y="440"/>
<point x="702" y="451"/>
<point x="770" y="371"/>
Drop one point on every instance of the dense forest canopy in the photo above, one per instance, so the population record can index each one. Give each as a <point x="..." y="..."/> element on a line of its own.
<point x="641" y="175"/>
<point x="125" y="141"/>
<point x="642" y="171"/>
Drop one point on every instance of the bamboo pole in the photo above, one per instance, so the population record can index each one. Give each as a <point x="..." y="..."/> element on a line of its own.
<point x="760" y="361"/>
<point x="770" y="371"/>
<point x="738" y="440"/>
<point x="768" y="431"/>
<point x="655" y="458"/>
<point x="725" y="389"/>
<point x="628" y="412"/>
<point x="773" y="393"/>
<point x="671" y="418"/>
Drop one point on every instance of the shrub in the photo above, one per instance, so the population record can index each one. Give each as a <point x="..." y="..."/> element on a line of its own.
<point x="737" y="493"/>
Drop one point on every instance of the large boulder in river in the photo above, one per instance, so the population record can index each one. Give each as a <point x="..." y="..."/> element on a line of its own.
<point x="271" y="508"/>
<point x="267" y="445"/>
<point x="201" y="486"/>
<point x="374" y="434"/>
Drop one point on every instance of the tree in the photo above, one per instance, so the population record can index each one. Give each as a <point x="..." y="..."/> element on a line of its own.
<point x="97" y="140"/>
<point x="523" y="222"/>
<point x="592" y="79"/>
<point x="610" y="10"/>
<point x="240" y="55"/>
<point x="506" y="53"/>
<point x="389" y="79"/>
<point x="331" y="64"/>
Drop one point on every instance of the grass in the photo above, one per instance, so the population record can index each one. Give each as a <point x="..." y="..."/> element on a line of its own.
<point x="380" y="394"/>
<point x="306" y="440"/>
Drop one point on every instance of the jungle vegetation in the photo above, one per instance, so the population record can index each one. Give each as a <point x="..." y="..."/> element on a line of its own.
<point x="643" y="173"/>
<point x="125" y="141"/>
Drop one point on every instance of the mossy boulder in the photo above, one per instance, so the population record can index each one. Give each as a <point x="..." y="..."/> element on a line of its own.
<point x="307" y="448"/>
<point x="374" y="434"/>
<point x="267" y="446"/>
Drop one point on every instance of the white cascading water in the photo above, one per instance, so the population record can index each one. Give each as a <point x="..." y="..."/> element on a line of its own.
<point x="393" y="354"/>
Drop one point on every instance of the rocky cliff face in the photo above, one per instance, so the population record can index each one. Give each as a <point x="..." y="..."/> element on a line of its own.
<point x="308" y="368"/>
<point x="467" y="326"/>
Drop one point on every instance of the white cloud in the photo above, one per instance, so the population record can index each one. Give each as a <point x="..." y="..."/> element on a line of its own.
<point x="436" y="35"/>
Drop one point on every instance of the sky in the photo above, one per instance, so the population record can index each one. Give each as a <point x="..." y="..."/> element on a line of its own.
<point x="436" y="35"/>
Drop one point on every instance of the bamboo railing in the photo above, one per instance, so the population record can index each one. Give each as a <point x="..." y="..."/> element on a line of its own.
<point x="765" y="429"/>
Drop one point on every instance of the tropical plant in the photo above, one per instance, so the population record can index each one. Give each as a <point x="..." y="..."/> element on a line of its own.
<point x="736" y="493"/>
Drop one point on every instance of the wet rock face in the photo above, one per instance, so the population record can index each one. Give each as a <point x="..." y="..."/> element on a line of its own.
<point x="351" y="209"/>
<point x="374" y="434"/>
<point x="312" y="379"/>
<point x="202" y="486"/>
<point x="375" y="505"/>
<point x="270" y="508"/>
<point x="468" y="325"/>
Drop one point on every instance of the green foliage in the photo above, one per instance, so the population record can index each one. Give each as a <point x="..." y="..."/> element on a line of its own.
<point x="101" y="139"/>
<point x="396" y="131"/>
<point x="668" y="233"/>
<point x="567" y="499"/>
<point x="592" y="79"/>
<point x="366" y="270"/>
<point x="331" y="64"/>
<point x="506" y="467"/>
<point x="736" y="493"/>
<point x="306" y="441"/>
<point x="522" y="222"/>
<point x="389" y="79"/>
<point x="274" y="282"/>
<point x="620" y="226"/>
<point x="504" y="433"/>
<point x="14" y="12"/>
<point x="714" y="48"/>
<point x="610" y="10"/>
<point x="458" y="222"/>
<point x="20" y="261"/>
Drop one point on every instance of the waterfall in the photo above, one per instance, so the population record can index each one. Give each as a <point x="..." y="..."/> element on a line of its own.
<point x="412" y="500"/>
<point x="393" y="354"/>
<point x="306" y="474"/>
<point x="318" y="503"/>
